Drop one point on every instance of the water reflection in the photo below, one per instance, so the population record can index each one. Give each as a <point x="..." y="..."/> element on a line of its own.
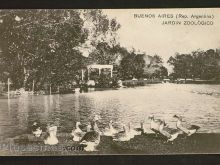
<point x="23" y="108"/>
<point x="9" y="106"/>
<point x="121" y="106"/>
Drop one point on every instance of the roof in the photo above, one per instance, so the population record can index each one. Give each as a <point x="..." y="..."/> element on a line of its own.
<point x="100" y="66"/>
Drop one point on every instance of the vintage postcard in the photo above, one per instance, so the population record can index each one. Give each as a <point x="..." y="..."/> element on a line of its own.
<point x="109" y="81"/>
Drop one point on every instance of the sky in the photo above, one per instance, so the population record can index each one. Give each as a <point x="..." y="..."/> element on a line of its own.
<point x="150" y="36"/>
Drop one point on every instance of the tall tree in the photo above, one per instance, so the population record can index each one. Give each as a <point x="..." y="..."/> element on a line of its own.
<point x="49" y="46"/>
<point x="132" y="66"/>
<point x="198" y="64"/>
<point x="155" y="68"/>
<point x="41" y="42"/>
<point x="182" y="65"/>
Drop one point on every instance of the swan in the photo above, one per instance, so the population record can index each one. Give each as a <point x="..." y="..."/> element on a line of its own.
<point x="36" y="129"/>
<point x="122" y="135"/>
<point x="88" y="128"/>
<point x="155" y="124"/>
<point x="77" y="133"/>
<point x="52" y="138"/>
<point x="170" y="133"/>
<point x="192" y="129"/>
<point x="91" y="139"/>
<point x="95" y="119"/>
<point x="110" y="131"/>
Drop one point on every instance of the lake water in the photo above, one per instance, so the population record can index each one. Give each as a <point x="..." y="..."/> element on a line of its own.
<point x="198" y="104"/>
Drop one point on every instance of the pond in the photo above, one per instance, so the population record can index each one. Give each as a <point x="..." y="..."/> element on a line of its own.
<point x="198" y="104"/>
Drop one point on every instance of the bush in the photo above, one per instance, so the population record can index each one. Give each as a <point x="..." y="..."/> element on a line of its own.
<point x="115" y="82"/>
<point x="105" y="81"/>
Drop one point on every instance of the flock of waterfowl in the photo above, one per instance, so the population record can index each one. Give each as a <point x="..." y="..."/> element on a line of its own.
<point x="91" y="137"/>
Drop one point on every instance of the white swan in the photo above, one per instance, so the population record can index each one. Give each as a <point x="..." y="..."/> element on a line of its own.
<point x="192" y="129"/>
<point x="77" y="133"/>
<point x="155" y="124"/>
<point x="51" y="139"/>
<point x="122" y="135"/>
<point x="170" y="133"/>
<point x="110" y="131"/>
<point x="95" y="127"/>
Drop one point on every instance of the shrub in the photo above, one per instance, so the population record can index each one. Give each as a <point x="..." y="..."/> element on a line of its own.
<point x="105" y="81"/>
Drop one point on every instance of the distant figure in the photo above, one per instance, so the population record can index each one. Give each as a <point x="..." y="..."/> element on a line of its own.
<point x="77" y="133"/>
<point x="77" y="90"/>
<point x="52" y="138"/>
<point x="91" y="139"/>
<point x="187" y="130"/>
<point x="120" y="84"/>
<point x="36" y="129"/>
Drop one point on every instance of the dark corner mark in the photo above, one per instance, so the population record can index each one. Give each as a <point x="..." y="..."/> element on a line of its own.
<point x="105" y="4"/>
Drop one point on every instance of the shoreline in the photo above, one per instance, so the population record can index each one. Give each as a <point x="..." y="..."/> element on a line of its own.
<point x="132" y="84"/>
<point x="200" y="143"/>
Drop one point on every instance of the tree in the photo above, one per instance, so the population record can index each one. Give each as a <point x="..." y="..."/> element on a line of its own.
<point x="49" y="46"/>
<point x="163" y="72"/>
<point x="132" y="66"/>
<point x="127" y="68"/>
<point x="182" y="65"/>
<point x="101" y="46"/>
<point x="139" y="65"/>
<point x="198" y="64"/>
<point x="156" y="61"/>
<point x="41" y="42"/>
<point x="155" y="68"/>
<point x="211" y="65"/>
<point x="104" y="54"/>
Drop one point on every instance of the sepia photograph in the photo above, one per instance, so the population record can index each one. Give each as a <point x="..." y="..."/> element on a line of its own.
<point x="109" y="81"/>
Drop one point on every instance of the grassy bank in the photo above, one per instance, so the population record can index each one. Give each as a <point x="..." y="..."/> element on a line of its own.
<point x="144" y="144"/>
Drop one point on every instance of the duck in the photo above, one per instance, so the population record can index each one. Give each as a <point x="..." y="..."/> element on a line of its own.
<point x="110" y="131"/>
<point x="122" y="135"/>
<point x="52" y="138"/>
<point x="170" y="133"/>
<point x="190" y="130"/>
<point x="36" y="129"/>
<point x="77" y="133"/>
<point x="155" y="124"/>
<point x="91" y="139"/>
